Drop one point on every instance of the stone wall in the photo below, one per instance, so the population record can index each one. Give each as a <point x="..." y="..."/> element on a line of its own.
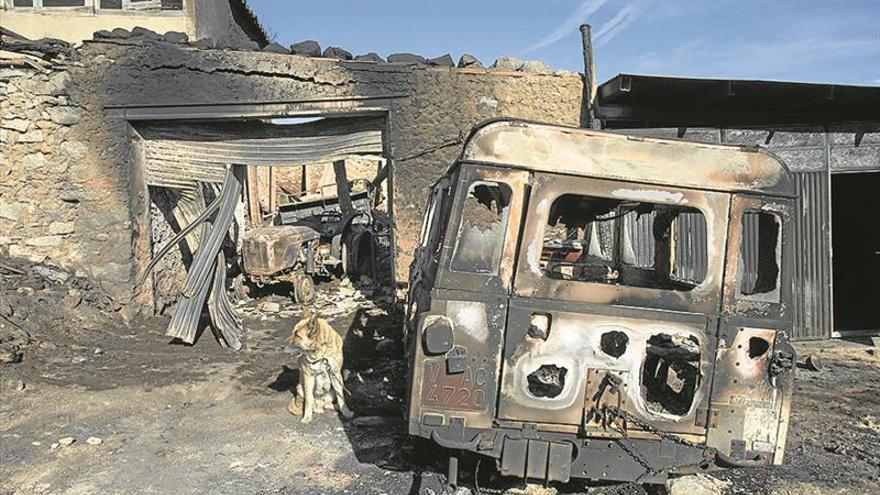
<point x="74" y="195"/>
<point x="55" y="179"/>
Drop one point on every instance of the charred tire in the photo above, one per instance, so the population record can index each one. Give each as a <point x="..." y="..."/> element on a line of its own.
<point x="303" y="289"/>
<point x="357" y="255"/>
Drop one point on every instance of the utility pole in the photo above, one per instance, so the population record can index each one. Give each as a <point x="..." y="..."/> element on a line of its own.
<point x="588" y="111"/>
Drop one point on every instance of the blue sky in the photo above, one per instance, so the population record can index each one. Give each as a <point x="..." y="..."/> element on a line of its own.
<point x="796" y="40"/>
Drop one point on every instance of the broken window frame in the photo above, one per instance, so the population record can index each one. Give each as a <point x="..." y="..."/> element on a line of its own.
<point x="764" y="308"/>
<point x="621" y="246"/>
<point x="502" y="281"/>
<point x="501" y="235"/>
<point x="772" y="295"/>
<point x="705" y="298"/>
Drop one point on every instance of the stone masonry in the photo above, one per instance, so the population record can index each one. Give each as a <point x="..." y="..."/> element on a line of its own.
<point x="73" y="195"/>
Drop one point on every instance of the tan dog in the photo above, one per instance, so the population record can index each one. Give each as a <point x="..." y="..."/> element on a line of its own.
<point x="320" y="366"/>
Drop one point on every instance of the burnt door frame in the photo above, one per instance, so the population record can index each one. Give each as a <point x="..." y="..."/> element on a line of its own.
<point x="745" y="394"/>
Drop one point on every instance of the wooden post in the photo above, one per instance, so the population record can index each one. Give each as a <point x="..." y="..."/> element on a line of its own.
<point x="272" y="195"/>
<point x="588" y="112"/>
<point x="253" y="196"/>
<point x="342" y="189"/>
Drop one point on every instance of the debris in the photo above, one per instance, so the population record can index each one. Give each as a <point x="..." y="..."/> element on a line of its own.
<point x="98" y="351"/>
<point x="66" y="441"/>
<point x="813" y="363"/>
<point x="337" y="53"/>
<point x="175" y="37"/>
<point x="536" y="67"/>
<point x="307" y="48"/>
<point x="94" y="441"/>
<point x="406" y="58"/>
<point x="442" y="61"/>
<point x="9" y="353"/>
<point x="145" y="33"/>
<point x="72" y="299"/>
<point x="696" y="484"/>
<point x="12" y="385"/>
<point x="370" y="57"/>
<point x="275" y="48"/>
<point x="270" y="307"/>
<point x="870" y="422"/>
<point x="507" y="64"/>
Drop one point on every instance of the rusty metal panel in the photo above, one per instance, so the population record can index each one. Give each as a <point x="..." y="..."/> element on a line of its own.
<point x="812" y="274"/>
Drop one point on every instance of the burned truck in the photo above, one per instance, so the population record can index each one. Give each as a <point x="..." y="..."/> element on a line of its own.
<point x="594" y="305"/>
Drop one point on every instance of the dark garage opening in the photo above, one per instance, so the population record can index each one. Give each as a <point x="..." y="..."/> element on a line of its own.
<point x="856" y="251"/>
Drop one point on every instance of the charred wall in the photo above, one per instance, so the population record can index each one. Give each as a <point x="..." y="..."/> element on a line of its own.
<point x="64" y="177"/>
<point x="73" y="192"/>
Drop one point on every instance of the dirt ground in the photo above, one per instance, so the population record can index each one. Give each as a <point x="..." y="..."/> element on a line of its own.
<point x="174" y="418"/>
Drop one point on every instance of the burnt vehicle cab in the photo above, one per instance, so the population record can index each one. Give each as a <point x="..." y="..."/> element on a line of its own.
<point x="595" y="305"/>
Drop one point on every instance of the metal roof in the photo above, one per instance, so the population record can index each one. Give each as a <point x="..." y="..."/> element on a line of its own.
<point x="630" y="100"/>
<point x="605" y="155"/>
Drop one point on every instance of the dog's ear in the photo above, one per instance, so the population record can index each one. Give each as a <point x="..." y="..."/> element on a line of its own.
<point x="313" y="325"/>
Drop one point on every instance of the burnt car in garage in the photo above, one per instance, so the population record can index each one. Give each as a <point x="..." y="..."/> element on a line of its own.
<point x="594" y="305"/>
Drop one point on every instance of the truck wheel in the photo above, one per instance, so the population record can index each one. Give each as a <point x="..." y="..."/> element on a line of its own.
<point x="304" y="289"/>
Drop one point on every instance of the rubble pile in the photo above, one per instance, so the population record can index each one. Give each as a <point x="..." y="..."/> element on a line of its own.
<point x="333" y="299"/>
<point x="40" y="303"/>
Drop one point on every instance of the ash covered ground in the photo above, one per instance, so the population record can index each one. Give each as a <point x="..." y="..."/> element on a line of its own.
<point x="146" y="415"/>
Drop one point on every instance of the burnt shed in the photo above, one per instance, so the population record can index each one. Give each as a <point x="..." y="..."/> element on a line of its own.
<point x="828" y="134"/>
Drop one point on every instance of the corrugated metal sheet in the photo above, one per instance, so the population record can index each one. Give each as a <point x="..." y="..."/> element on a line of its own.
<point x="177" y="155"/>
<point x="638" y="239"/>
<point x="749" y="251"/>
<point x="812" y="270"/>
<point x="692" y="254"/>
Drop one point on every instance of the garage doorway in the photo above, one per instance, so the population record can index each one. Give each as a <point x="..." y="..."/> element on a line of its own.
<point x="855" y="252"/>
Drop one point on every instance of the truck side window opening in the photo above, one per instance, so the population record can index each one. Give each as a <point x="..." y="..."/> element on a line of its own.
<point x="481" y="232"/>
<point x="759" y="256"/>
<point x="638" y="244"/>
